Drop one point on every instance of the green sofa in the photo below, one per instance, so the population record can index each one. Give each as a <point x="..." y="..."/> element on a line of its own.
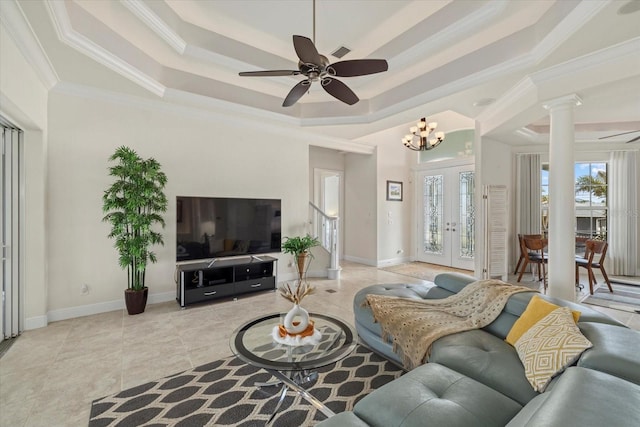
<point x="475" y="378"/>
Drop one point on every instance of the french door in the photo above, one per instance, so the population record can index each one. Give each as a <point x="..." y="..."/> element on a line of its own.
<point x="446" y="213"/>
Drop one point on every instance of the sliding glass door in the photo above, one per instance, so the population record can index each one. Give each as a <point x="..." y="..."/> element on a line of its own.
<point x="11" y="213"/>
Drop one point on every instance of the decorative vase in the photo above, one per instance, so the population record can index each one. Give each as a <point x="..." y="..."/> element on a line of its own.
<point x="136" y="301"/>
<point x="296" y="320"/>
<point x="302" y="261"/>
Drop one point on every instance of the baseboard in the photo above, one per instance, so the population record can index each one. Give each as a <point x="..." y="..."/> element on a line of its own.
<point x="626" y="280"/>
<point x="365" y="261"/>
<point x="103" y="307"/>
<point x="392" y="261"/>
<point x="35" y="322"/>
<point x="290" y="277"/>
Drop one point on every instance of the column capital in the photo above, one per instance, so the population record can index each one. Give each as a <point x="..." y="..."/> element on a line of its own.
<point x="567" y="100"/>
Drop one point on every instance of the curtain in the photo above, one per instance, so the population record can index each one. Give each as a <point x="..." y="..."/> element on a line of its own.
<point x="528" y="192"/>
<point x="623" y="213"/>
<point x="528" y="187"/>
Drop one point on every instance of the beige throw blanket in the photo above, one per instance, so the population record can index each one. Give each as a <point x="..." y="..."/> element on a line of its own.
<point x="415" y="324"/>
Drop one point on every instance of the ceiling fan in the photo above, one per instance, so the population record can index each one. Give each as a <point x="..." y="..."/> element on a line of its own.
<point x="624" y="133"/>
<point x="317" y="68"/>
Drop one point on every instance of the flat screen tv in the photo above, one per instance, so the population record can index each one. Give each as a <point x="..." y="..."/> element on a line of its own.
<point x="215" y="227"/>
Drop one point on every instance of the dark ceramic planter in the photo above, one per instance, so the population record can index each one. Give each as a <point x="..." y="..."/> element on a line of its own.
<point x="136" y="301"/>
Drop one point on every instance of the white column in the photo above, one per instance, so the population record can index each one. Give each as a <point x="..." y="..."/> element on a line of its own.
<point x="562" y="197"/>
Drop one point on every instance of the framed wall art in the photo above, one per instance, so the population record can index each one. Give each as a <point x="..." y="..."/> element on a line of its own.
<point x="394" y="191"/>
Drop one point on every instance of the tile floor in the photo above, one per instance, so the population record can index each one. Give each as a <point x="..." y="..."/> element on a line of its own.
<point x="50" y="376"/>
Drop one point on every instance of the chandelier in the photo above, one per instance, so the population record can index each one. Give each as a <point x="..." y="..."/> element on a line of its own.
<point x="422" y="131"/>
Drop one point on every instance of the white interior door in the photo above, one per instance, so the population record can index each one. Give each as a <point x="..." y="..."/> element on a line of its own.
<point x="446" y="213"/>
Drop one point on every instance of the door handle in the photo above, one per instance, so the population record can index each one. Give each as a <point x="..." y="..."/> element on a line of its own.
<point x="257" y="285"/>
<point x="210" y="293"/>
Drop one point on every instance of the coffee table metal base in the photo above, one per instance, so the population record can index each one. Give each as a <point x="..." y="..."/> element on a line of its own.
<point x="288" y="383"/>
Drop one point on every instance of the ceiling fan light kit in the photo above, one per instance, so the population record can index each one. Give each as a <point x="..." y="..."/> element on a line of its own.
<point x="317" y="68"/>
<point x="423" y="131"/>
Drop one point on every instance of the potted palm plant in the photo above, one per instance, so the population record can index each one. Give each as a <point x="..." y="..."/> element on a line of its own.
<point x="299" y="247"/>
<point x="132" y="205"/>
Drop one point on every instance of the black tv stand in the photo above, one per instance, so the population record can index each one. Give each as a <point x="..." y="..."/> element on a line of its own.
<point x="224" y="278"/>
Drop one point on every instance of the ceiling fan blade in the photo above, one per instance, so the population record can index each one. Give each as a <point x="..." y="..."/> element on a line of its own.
<point x="634" y="139"/>
<point x="269" y="73"/>
<point x="306" y="50"/>
<point x="358" y="67"/>
<point x="339" y="90"/>
<point x="296" y="93"/>
<point x="618" y="134"/>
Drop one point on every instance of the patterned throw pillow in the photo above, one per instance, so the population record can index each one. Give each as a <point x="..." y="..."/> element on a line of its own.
<point x="550" y="346"/>
<point x="535" y="311"/>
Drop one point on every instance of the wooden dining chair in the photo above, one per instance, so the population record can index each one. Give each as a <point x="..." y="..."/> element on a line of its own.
<point x="523" y="250"/>
<point x="593" y="248"/>
<point x="534" y="254"/>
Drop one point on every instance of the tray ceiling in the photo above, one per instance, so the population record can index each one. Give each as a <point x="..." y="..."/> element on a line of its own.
<point x="454" y="56"/>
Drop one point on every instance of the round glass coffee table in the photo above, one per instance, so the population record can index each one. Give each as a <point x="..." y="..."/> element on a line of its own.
<point x="293" y="365"/>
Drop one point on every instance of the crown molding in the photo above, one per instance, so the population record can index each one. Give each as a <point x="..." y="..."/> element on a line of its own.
<point x="519" y="97"/>
<point x="626" y="50"/>
<point x="448" y="36"/>
<point x="13" y="19"/>
<point x="525" y="93"/>
<point x="567" y="101"/>
<point x="530" y="135"/>
<point x="222" y="112"/>
<point x="156" y="24"/>
<point x="62" y="24"/>
<point x="576" y="19"/>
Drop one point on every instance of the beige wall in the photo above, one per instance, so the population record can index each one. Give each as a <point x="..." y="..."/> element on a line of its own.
<point x="361" y="208"/>
<point x="23" y="100"/>
<point x="201" y="155"/>
<point x="394" y="218"/>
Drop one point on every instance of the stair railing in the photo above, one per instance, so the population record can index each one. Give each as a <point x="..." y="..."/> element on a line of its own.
<point x="326" y="229"/>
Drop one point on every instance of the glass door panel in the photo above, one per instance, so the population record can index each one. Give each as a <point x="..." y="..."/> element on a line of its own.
<point x="447" y="217"/>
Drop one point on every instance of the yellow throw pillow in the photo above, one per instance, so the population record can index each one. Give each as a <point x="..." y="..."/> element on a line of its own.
<point x="536" y="310"/>
<point x="550" y="346"/>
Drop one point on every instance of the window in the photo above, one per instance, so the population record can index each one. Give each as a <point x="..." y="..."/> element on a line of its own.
<point x="591" y="189"/>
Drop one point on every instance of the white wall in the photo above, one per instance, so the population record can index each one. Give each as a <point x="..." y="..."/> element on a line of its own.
<point x="496" y="168"/>
<point x="394" y="218"/>
<point x="201" y="155"/>
<point x="361" y="208"/>
<point x="23" y="99"/>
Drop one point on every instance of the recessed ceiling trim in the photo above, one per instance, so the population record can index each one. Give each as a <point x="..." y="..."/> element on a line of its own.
<point x="520" y="97"/>
<point x="451" y="34"/>
<point x="157" y="25"/>
<point x="24" y="37"/>
<point x="62" y="24"/>
<point x="525" y="93"/>
<point x="627" y="50"/>
<point x="576" y="19"/>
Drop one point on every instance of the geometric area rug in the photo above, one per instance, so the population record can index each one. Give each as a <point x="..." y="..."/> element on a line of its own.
<point x="624" y="297"/>
<point x="222" y="393"/>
